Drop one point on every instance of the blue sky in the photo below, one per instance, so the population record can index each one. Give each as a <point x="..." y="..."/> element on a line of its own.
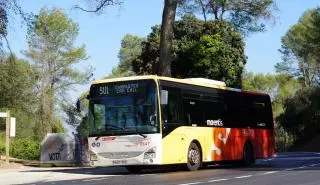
<point x="102" y="34"/>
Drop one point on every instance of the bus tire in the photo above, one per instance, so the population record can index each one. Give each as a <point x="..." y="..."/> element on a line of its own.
<point x="248" y="155"/>
<point x="194" y="157"/>
<point x="134" y="169"/>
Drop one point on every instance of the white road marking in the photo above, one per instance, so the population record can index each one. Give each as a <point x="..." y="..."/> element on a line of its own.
<point x="289" y="169"/>
<point x="245" y="176"/>
<point x="146" y="175"/>
<point x="301" y="167"/>
<point x="88" y="180"/>
<point x="191" y="183"/>
<point x="312" y="165"/>
<point x="271" y="172"/>
<point x="218" y="180"/>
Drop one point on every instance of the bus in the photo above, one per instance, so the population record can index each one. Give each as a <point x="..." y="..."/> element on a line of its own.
<point x="144" y="121"/>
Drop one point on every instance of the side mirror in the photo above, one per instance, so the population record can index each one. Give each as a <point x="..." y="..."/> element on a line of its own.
<point x="164" y="97"/>
<point x="78" y="105"/>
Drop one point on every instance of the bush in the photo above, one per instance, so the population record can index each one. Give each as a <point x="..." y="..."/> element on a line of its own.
<point x="2" y="146"/>
<point x="25" y="148"/>
<point x="284" y="140"/>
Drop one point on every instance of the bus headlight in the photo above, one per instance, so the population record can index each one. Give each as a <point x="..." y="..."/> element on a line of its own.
<point x="150" y="154"/>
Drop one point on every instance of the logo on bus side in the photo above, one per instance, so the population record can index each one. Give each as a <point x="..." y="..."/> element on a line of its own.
<point x="96" y="144"/>
<point x="217" y="123"/>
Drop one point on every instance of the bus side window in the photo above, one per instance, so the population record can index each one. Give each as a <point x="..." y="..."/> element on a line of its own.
<point x="171" y="111"/>
<point x="192" y="111"/>
<point x="213" y="111"/>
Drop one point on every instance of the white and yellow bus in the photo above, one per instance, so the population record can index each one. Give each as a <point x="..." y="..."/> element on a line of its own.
<point x="151" y="120"/>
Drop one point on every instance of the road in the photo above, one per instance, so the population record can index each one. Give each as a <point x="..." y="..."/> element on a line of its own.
<point x="284" y="169"/>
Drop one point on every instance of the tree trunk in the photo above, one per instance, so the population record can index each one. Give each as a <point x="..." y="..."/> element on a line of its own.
<point x="168" y="17"/>
<point x="203" y="10"/>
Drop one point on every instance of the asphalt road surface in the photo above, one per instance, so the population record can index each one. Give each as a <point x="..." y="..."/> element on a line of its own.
<point x="284" y="169"/>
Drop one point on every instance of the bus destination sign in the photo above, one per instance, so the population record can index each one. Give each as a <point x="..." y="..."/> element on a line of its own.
<point x="115" y="89"/>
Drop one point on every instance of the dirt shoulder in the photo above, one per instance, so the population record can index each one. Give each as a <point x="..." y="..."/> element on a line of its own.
<point x="11" y="165"/>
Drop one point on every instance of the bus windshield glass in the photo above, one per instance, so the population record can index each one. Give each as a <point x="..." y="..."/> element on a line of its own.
<point x="123" y="108"/>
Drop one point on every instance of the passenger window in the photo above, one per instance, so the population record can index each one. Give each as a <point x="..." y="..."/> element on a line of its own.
<point x="213" y="111"/>
<point x="171" y="111"/>
<point x="192" y="111"/>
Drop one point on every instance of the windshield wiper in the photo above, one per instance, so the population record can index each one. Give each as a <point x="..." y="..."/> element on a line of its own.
<point x="144" y="136"/>
<point x="114" y="127"/>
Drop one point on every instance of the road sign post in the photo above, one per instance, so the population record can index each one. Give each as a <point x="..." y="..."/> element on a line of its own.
<point x="7" y="135"/>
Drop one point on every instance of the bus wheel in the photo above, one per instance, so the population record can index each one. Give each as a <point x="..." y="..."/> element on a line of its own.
<point x="248" y="155"/>
<point x="194" y="157"/>
<point x="134" y="169"/>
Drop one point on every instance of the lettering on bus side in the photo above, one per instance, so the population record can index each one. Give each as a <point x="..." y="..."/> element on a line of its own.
<point x="217" y="123"/>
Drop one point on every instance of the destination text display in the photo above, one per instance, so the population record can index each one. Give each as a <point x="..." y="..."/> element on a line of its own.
<point x="116" y="89"/>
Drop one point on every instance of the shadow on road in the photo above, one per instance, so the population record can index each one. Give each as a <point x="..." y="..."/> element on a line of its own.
<point x="282" y="162"/>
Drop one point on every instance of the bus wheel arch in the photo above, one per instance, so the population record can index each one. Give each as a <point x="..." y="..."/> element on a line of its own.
<point x="248" y="157"/>
<point x="194" y="156"/>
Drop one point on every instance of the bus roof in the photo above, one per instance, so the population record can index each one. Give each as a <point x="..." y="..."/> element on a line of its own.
<point x="191" y="81"/>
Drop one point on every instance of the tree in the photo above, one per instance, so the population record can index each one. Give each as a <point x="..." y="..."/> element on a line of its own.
<point x="280" y="87"/>
<point x="211" y="49"/>
<point x="299" y="117"/>
<point x="300" y="49"/>
<point x="215" y="59"/>
<point x="17" y="82"/>
<point x="130" y="50"/>
<point x="247" y="16"/>
<point x="168" y="17"/>
<point x="51" y="47"/>
<point x="78" y="119"/>
<point x="9" y="8"/>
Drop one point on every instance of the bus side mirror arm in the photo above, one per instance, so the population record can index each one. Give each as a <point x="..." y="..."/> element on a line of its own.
<point x="78" y="105"/>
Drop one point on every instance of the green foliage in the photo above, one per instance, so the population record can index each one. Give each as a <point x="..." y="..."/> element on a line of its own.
<point x="216" y="59"/>
<point x="210" y="49"/>
<point x="301" y="48"/>
<point x="17" y="93"/>
<point x="78" y="119"/>
<point x="284" y="140"/>
<point x="249" y="16"/>
<point x="130" y="50"/>
<point x="301" y="60"/>
<point x="299" y="117"/>
<point x="279" y="87"/>
<point x="58" y="126"/>
<point x="25" y="148"/>
<point x="3" y="18"/>
<point x="16" y="90"/>
<point x="51" y="47"/>
<point x="8" y="10"/>
<point x="2" y="143"/>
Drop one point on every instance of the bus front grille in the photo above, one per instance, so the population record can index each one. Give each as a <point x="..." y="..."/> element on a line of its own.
<point x="119" y="155"/>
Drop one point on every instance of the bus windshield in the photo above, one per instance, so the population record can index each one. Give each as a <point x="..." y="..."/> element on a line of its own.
<point x="123" y="108"/>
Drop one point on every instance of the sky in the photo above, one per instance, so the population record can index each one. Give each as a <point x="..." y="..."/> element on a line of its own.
<point x="102" y="34"/>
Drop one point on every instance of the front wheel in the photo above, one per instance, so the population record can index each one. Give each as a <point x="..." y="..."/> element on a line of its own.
<point x="194" y="157"/>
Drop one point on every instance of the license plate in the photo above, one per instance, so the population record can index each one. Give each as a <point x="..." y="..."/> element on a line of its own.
<point x="119" y="162"/>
